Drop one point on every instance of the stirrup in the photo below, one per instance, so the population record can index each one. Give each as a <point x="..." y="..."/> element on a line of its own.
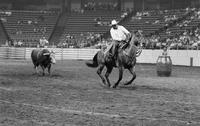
<point x="108" y="54"/>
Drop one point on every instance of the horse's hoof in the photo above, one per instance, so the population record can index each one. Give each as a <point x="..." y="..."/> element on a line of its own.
<point x="104" y="82"/>
<point x="127" y="83"/>
<point x="34" y="73"/>
<point x="104" y="86"/>
<point x="114" y="86"/>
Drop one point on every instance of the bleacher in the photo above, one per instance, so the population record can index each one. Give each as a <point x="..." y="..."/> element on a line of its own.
<point x="144" y="23"/>
<point x="187" y="24"/>
<point x="81" y="23"/>
<point x="175" y="28"/>
<point x="29" y="26"/>
<point x="151" y="21"/>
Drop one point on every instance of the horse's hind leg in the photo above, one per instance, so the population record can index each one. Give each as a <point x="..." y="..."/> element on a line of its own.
<point x="99" y="71"/>
<point x="120" y="77"/>
<point x="132" y="71"/>
<point x="109" y="70"/>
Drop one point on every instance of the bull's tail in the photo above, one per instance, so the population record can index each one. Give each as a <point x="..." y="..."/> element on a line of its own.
<point x="94" y="62"/>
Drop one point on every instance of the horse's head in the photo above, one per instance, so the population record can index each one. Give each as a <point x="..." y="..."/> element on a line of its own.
<point x="132" y="40"/>
<point x="135" y="44"/>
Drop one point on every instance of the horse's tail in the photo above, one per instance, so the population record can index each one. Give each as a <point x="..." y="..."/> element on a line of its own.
<point x="94" y="62"/>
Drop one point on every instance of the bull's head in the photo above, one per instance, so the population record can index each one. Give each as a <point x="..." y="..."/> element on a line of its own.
<point x="52" y="56"/>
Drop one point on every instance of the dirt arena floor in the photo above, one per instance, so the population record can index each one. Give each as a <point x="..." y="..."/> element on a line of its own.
<point x="73" y="96"/>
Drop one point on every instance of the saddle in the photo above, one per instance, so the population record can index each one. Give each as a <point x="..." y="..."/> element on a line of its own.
<point x="123" y="47"/>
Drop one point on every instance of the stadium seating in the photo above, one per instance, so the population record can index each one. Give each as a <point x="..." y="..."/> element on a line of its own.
<point x="80" y="24"/>
<point x="161" y="28"/>
<point x="82" y="28"/>
<point x="28" y="26"/>
<point x="151" y="21"/>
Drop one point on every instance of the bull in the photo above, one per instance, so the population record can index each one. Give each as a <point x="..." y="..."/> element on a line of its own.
<point x="43" y="58"/>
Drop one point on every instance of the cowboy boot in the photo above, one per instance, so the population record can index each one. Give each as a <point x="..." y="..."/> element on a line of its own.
<point x="113" y="55"/>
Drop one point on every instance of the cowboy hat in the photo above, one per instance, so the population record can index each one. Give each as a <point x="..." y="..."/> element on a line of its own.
<point x="114" y="22"/>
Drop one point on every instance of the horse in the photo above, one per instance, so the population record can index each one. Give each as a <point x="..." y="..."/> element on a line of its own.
<point x="126" y="59"/>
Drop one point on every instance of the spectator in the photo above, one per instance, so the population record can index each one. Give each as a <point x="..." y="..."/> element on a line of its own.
<point x="164" y="53"/>
<point x="43" y="42"/>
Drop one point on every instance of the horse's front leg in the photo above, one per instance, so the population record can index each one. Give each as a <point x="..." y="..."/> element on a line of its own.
<point x="99" y="71"/>
<point x="132" y="71"/>
<point x="109" y="70"/>
<point x="120" y="77"/>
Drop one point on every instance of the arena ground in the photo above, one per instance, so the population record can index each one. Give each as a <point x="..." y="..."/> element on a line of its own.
<point x="73" y="96"/>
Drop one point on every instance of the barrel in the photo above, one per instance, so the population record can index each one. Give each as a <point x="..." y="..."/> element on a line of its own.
<point x="164" y="66"/>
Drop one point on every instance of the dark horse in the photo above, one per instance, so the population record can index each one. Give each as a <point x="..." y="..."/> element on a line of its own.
<point x="126" y="59"/>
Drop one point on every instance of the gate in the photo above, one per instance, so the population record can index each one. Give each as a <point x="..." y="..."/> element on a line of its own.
<point x="12" y="53"/>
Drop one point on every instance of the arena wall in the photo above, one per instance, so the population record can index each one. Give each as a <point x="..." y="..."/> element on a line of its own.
<point x="179" y="57"/>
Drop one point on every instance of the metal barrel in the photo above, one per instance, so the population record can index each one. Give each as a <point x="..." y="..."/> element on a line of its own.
<point x="164" y="66"/>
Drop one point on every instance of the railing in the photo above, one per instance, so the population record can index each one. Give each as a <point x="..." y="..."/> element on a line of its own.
<point x="68" y="54"/>
<point x="179" y="57"/>
<point x="12" y="53"/>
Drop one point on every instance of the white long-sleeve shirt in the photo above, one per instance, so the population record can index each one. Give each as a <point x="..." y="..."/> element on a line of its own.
<point x="119" y="34"/>
<point x="43" y="42"/>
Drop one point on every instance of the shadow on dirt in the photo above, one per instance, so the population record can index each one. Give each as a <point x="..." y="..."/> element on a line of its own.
<point x="150" y="88"/>
<point x="56" y="76"/>
<point x="6" y="82"/>
<point x="17" y="75"/>
<point x="29" y="75"/>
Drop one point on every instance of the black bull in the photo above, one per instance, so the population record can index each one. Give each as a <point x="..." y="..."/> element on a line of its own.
<point x="43" y="58"/>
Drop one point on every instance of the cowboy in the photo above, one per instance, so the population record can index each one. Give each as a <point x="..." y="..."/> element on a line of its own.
<point x="43" y="42"/>
<point x="164" y="53"/>
<point x="119" y="34"/>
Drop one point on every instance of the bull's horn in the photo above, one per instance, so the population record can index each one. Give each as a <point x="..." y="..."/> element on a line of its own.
<point x="46" y="54"/>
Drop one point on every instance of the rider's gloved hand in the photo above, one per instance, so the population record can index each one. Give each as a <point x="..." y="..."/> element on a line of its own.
<point x="128" y="38"/>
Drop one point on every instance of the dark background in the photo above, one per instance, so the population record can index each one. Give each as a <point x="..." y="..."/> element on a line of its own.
<point x="67" y="5"/>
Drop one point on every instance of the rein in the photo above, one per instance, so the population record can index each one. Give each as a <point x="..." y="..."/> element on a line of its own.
<point x="130" y="45"/>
